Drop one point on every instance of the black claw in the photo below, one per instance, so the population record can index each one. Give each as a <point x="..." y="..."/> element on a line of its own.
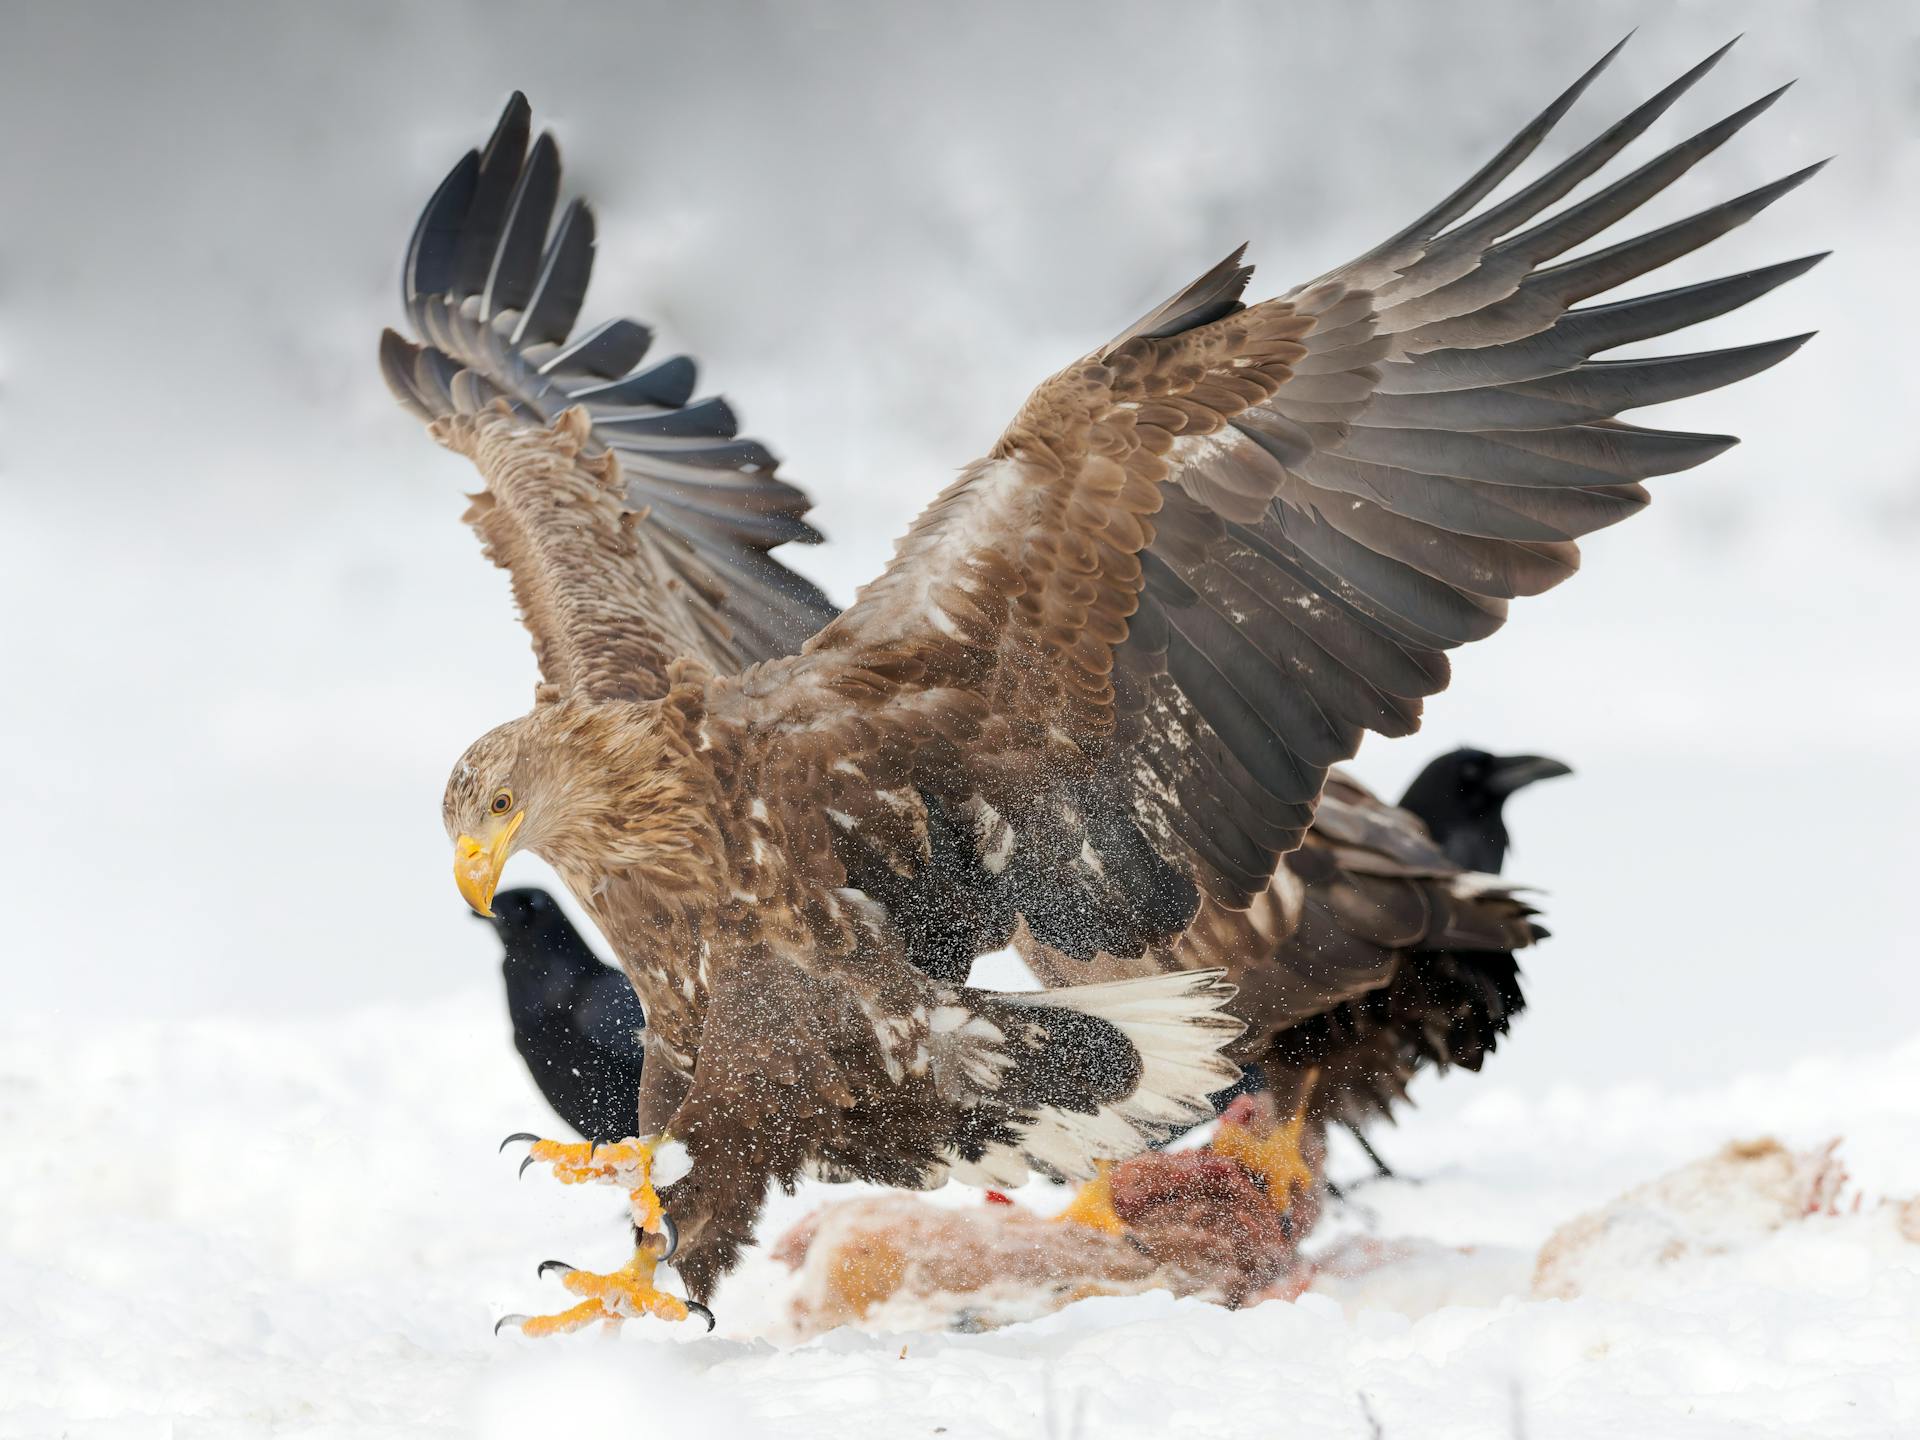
<point x="523" y="1167"/>
<point x="694" y="1307"/>
<point x="517" y="1135"/>
<point x="669" y="1238"/>
<point x="1383" y="1170"/>
<point x="518" y="1320"/>
<point x="546" y="1265"/>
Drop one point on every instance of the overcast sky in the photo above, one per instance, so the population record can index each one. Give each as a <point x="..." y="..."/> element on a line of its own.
<point x="244" y="636"/>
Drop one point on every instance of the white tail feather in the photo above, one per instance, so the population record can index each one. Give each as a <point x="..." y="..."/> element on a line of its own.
<point x="1177" y="1026"/>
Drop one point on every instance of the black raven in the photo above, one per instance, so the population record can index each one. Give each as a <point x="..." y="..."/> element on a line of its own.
<point x="1455" y="986"/>
<point x="1459" y="796"/>
<point x="576" y="1019"/>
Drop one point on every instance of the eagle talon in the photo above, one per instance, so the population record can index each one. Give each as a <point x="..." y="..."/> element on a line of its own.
<point x="619" y="1295"/>
<point x="523" y="1166"/>
<point x="518" y="1135"/>
<point x="1273" y="1156"/>
<point x="629" y="1292"/>
<point x="509" y="1320"/>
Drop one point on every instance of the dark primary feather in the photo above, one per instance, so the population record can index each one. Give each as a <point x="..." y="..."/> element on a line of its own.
<point x="1385" y="258"/>
<point x="1451" y="432"/>
<point x="493" y="286"/>
<point x="576" y="1020"/>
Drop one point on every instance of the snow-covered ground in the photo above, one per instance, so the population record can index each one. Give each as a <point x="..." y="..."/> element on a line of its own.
<point x="302" y="1228"/>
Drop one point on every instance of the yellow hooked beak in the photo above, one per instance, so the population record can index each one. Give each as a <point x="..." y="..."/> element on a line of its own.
<point x="477" y="865"/>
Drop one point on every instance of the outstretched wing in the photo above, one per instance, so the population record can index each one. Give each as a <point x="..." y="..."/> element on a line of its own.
<point x="647" y="532"/>
<point x="1204" y="560"/>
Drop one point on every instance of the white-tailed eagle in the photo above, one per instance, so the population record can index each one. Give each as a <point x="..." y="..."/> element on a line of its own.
<point x="1098" y="690"/>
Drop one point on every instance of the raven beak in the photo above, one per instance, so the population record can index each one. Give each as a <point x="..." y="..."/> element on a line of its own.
<point x="477" y="865"/>
<point x="1515" y="772"/>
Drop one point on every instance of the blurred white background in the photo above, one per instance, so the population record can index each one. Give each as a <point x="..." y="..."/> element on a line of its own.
<point x="244" y="636"/>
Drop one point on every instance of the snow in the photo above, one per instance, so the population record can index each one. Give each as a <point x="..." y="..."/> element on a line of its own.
<point x="302" y="1227"/>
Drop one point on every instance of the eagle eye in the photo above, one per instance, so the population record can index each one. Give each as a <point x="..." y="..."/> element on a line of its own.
<point x="502" y="802"/>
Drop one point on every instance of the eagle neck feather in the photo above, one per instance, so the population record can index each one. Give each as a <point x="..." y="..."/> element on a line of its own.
<point x="638" y="801"/>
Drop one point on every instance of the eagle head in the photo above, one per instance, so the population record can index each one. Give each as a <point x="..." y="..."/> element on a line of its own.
<point x="592" y="789"/>
<point x="493" y="789"/>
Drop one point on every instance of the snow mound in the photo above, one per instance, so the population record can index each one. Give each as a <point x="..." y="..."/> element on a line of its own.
<point x="1718" y="1206"/>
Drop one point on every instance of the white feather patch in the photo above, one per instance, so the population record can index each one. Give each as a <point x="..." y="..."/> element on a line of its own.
<point x="1177" y="1027"/>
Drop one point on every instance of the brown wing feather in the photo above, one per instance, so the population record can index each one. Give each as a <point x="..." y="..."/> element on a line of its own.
<point x="974" y="678"/>
<point x="654" y="541"/>
<point x="596" y="586"/>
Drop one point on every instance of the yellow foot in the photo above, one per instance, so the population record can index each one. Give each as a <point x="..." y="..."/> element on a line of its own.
<point x="629" y="1292"/>
<point x="1092" y="1203"/>
<point x="634" y="1165"/>
<point x="623" y="1294"/>
<point x="1275" y="1158"/>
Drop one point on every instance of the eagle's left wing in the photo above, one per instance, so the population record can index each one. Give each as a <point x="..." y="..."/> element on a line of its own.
<point x="637" y="528"/>
<point x="1206" y="558"/>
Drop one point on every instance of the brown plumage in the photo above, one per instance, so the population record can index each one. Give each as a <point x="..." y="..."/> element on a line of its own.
<point x="1099" y="688"/>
